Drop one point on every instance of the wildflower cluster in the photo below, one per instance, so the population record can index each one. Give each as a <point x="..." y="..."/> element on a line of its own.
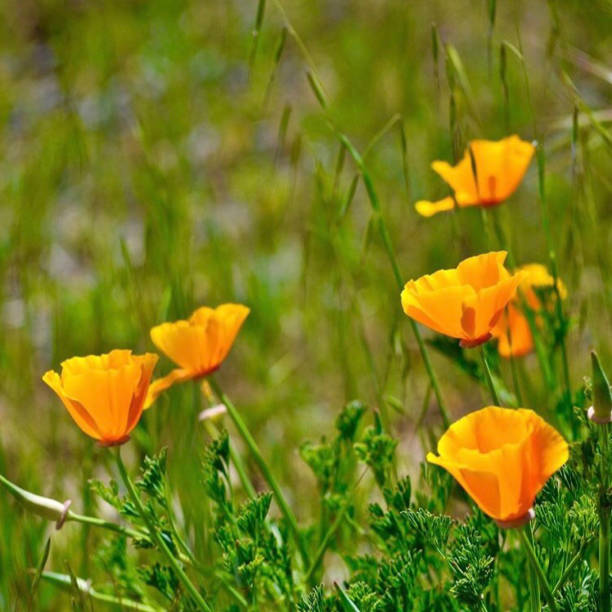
<point x="518" y="517"/>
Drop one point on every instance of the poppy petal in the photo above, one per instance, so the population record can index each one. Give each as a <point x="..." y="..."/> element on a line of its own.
<point x="426" y="208"/>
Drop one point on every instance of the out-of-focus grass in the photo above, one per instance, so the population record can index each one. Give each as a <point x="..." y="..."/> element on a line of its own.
<point x="145" y="171"/>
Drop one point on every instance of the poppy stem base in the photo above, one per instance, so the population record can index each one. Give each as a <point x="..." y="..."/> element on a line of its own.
<point x="517" y="522"/>
<point x="109" y="443"/>
<point x="475" y="341"/>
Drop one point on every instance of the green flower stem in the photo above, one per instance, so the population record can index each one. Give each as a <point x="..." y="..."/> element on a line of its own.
<point x="325" y="543"/>
<point x="604" y="524"/>
<point x="54" y="510"/>
<point x="263" y="466"/>
<point x="236" y="460"/>
<point x="187" y="556"/>
<point x="515" y="380"/>
<point x="374" y="202"/>
<point x="65" y="582"/>
<point x="534" y="590"/>
<point x="513" y="365"/>
<point x="347" y="602"/>
<point x="155" y="535"/>
<point x="94" y="521"/>
<point x="386" y="238"/>
<point x="431" y="374"/>
<point x="571" y="565"/>
<point x="537" y="568"/>
<point x="489" y="376"/>
<point x="541" y="159"/>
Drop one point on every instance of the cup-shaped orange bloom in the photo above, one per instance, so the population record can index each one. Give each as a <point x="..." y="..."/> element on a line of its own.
<point x="502" y="457"/>
<point x="198" y="345"/>
<point x="104" y="394"/>
<point x="512" y="330"/>
<point x="488" y="174"/>
<point x="465" y="302"/>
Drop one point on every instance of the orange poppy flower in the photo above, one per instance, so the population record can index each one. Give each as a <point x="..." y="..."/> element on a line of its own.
<point x="104" y="394"/>
<point x="488" y="174"/>
<point x="465" y="302"/>
<point x="512" y="330"/>
<point x="198" y="345"/>
<point x="536" y="275"/>
<point x="502" y="457"/>
<point x="513" y="334"/>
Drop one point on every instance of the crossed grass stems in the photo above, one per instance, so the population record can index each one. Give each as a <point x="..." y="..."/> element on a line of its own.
<point x="536" y="573"/>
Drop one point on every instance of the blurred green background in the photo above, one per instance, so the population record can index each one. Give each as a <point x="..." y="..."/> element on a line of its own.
<point x="157" y="156"/>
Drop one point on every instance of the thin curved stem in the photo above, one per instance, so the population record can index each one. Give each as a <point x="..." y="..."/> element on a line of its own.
<point x="386" y="238"/>
<point x="374" y="202"/>
<point x="537" y="568"/>
<point x="570" y="566"/>
<point x="188" y="555"/>
<point x="66" y="582"/>
<point x="489" y="376"/>
<point x="325" y="543"/>
<point x="604" y="524"/>
<point x="155" y="535"/>
<point x="94" y="521"/>
<point x="236" y="460"/>
<point x="263" y="466"/>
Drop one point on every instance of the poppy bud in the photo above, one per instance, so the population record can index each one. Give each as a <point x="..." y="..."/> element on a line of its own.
<point x="601" y="410"/>
<point x="47" y="508"/>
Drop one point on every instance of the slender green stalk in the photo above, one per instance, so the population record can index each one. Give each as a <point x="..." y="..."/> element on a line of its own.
<point x="235" y="594"/>
<point x="51" y="509"/>
<point x="94" y="521"/>
<point x="386" y="238"/>
<point x="501" y="237"/>
<point x="155" y="535"/>
<point x="489" y="376"/>
<point x="187" y="554"/>
<point x="534" y="591"/>
<point x="431" y="374"/>
<point x="263" y="466"/>
<point x="236" y="460"/>
<point x="374" y="202"/>
<point x="541" y="159"/>
<point x="540" y="349"/>
<point x="513" y="366"/>
<point x="347" y="602"/>
<point x="604" y="524"/>
<point x="561" y="323"/>
<point x="515" y="379"/>
<point x="261" y="7"/>
<point x="570" y="566"/>
<point x="325" y="543"/>
<point x="537" y="568"/>
<point x="332" y="530"/>
<point x="65" y="582"/>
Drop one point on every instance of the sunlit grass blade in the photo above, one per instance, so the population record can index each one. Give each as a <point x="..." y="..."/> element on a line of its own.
<point x="259" y="17"/>
<point x="41" y="565"/>
<point x="67" y="582"/>
<point x="277" y="58"/>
